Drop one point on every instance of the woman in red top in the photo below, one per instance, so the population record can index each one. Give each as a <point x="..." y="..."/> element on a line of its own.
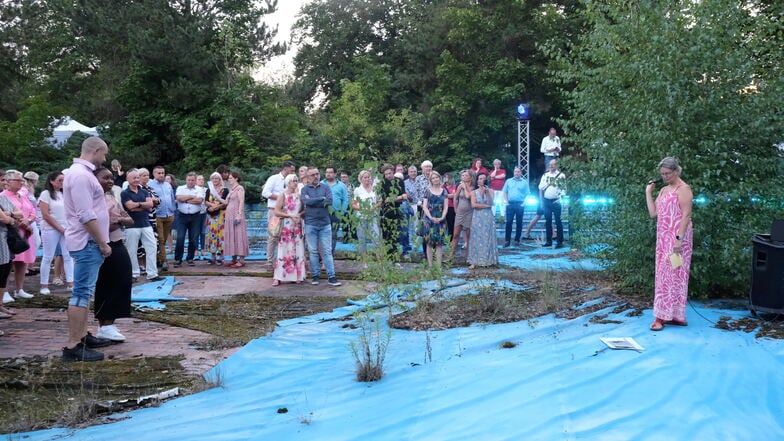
<point x="497" y="176"/>
<point x="477" y="168"/>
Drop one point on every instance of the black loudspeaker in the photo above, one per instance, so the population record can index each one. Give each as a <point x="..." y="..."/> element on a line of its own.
<point x="767" y="273"/>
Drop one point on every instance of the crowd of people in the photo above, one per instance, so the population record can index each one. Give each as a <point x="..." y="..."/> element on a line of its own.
<point x="101" y="229"/>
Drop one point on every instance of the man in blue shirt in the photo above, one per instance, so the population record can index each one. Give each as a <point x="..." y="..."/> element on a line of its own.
<point x="515" y="191"/>
<point x="164" y="214"/>
<point x="339" y="202"/>
<point x="316" y="197"/>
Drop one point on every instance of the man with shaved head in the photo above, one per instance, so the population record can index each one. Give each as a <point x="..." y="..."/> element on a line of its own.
<point x="87" y="239"/>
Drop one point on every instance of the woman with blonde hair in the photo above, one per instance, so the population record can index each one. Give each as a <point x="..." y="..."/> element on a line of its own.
<point x="365" y="204"/>
<point x="463" y="210"/>
<point x="290" y="260"/>
<point x="672" y="210"/>
<point x="13" y="192"/>
<point x="434" y="208"/>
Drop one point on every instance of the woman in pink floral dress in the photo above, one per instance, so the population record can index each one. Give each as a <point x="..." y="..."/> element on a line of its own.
<point x="290" y="263"/>
<point x="672" y="211"/>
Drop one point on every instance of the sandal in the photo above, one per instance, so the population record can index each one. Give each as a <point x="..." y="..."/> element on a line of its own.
<point x="677" y="323"/>
<point x="275" y="282"/>
<point x="657" y="325"/>
<point x="238" y="265"/>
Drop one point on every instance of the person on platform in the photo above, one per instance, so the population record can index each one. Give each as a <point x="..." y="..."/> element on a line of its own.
<point x="551" y="148"/>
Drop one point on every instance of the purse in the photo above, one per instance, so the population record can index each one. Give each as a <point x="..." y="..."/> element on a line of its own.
<point x="273" y="227"/>
<point x="16" y="243"/>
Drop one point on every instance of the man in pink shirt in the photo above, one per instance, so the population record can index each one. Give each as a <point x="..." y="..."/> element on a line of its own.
<point x="87" y="239"/>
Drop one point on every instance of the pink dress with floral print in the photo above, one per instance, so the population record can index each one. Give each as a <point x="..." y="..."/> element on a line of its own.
<point x="290" y="264"/>
<point x="672" y="285"/>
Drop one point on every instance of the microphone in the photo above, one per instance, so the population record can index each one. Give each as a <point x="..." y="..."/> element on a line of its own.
<point x="655" y="181"/>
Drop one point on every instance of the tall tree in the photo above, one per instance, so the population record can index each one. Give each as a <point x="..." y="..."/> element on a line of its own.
<point x="489" y="64"/>
<point x="141" y="67"/>
<point x="649" y="84"/>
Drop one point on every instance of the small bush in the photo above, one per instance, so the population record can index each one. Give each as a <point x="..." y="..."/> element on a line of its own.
<point x="371" y="349"/>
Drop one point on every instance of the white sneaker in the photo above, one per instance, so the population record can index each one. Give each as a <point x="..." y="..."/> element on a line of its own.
<point x="110" y="332"/>
<point x="7" y="298"/>
<point x="21" y="294"/>
<point x="44" y="291"/>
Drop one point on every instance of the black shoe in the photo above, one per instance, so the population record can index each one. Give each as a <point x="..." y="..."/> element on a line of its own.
<point x="334" y="281"/>
<point x="548" y="244"/>
<point x="559" y="245"/>
<point x="134" y="279"/>
<point x="81" y="353"/>
<point x="315" y="281"/>
<point x="155" y="279"/>
<point x="517" y="243"/>
<point x="528" y="238"/>
<point x="92" y="341"/>
<point x="190" y="263"/>
<point x="506" y="244"/>
<point x="177" y="263"/>
<point x="165" y="267"/>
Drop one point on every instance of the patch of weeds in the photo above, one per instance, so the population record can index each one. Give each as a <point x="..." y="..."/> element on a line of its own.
<point x="38" y="392"/>
<point x="239" y="319"/>
<point x="370" y="349"/>
<point x="550" y="291"/>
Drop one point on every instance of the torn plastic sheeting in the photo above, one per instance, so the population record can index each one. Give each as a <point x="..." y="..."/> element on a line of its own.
<point x="551" y="386"/>
<point x="156" y="291"/>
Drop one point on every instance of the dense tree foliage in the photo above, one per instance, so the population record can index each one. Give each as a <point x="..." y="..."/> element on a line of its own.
<point x="455" y="71"/>
<point x="402" y="80"/>
<point x="155" y="73"/>
<point x="701" y="81"/>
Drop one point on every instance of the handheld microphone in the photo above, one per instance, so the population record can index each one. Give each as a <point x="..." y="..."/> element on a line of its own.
<point x="655" y="181"/>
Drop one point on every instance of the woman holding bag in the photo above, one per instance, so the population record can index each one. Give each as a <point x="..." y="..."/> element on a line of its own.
<point x="14" y="184"/>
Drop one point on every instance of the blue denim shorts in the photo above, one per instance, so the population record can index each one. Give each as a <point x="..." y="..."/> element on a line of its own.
<point x="87" y="264"/>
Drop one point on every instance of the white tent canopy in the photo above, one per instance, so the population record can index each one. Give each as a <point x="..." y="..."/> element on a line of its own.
<point x="68" y="127"/>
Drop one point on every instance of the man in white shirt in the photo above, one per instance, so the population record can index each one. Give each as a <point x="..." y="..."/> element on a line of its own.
<point x="552" y="187"/>
<point x="272" y="188"/>
<point x="189" y="198"/>
<point x="551" y="148"/>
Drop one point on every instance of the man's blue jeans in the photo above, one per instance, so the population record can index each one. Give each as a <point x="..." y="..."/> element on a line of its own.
<point x="514" y="211"/>
<point x="87" y="263"/>
<point x="189" y="222"/>
<point x="320" y="237"/>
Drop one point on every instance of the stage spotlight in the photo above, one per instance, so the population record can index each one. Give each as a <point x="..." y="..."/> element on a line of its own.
<point x="523" y="111"/>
